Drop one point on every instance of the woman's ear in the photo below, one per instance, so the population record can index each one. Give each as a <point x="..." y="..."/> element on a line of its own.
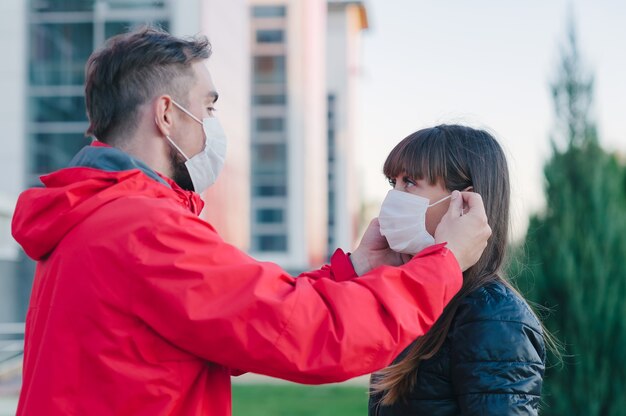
<point x="469" y="189"/>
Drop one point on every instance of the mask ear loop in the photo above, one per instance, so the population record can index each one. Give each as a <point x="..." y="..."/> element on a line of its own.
<point x="184" y="110"/>
<point x="169" y="139"/>
<point x="177" y="148"/>
<point x="440" y="201"/>
<point x="443" y="199"/>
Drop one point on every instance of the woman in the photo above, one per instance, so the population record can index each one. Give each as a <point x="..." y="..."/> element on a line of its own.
<point x="485" y="355"/>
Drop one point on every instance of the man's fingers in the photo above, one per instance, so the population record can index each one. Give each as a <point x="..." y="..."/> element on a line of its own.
<point x="456" y="205"/>
<point x="476" y="207"/>
<point x="474" y="203"/>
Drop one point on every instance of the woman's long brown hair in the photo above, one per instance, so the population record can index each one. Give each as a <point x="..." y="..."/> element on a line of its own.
<point x="457" y="157"/>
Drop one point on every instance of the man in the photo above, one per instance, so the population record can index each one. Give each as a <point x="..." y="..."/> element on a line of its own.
<point x="139" y="308"/>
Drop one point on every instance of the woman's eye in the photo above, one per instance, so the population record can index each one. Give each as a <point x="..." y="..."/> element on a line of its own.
<point x="408" y="182"/>
<point x="392" y="182"/>
<point x="211" y="110"/>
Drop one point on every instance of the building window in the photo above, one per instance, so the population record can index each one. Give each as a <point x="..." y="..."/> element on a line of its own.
<point x="269" y="190"/>
<point x="54" y="150"/>
<point x="62" y="5"/>
<point x="270" y="215"/>
<point x="270" y="124"/>
<point x="270" y="99"/>
<point x="269" y="11"/>
<point x="57" y="109"/>
<point x="62" y="36"/>
<point x="58" y="53"/>
<point x="137" y="4"/>
<point x="117" y="27"/>
<point x="271" y="242"/>
<point x="269" y="154"/>
<point x="331" y="123"/>
<point x="269" y="184"/>
<point x="88" y="5"/>
<point x="270" y="36"/>
<point x="269" y="158"/>
<point x="269" y="69"/>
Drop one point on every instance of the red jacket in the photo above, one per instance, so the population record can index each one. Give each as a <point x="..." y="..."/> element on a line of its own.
<point x="139" y="308"/>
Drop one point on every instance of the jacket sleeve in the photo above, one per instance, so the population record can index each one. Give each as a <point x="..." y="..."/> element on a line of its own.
<point x="339" y="269"/>
<point x="497" y="367"/>
<point x="210" y="299"/>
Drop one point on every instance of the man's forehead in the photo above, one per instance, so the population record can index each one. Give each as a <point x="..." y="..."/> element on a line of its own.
<point x="204" y="81"/>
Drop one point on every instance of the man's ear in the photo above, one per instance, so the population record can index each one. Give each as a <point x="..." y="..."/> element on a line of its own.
<point x="469" y="189"/>
<point x="163" y="109"/>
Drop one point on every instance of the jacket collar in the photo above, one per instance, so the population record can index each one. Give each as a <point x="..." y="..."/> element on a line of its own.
<point x="104" y="157"/>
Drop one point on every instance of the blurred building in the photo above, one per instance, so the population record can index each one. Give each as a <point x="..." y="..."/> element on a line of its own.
<point x="13" y="155"/>
<point x="347" y="19"/>
<point x="227" y="25"/>
<point x="285" y="70"/>
<point x="303" y="202"/>
<point x="44" y="117"/>
<point x="288" y="132"/>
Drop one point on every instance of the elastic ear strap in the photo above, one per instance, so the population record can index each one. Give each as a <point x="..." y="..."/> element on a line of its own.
<point x="440" y="201"/>
<point x="177" y="148"/>
<point x="184" y="110"/>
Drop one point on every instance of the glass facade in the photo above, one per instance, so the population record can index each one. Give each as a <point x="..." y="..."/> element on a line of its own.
<point x="270" y="99"/>
<point x="270" y="242"/>
<point x="268" y="185"/>
<point x="269" y="11"/>
<point x="137" y="4"/>
<point x="90" y="5"/>
<point x="269" y="158"/>
<point x="61" y="36"/>
<point x="269" y="69"/>
<point x="58" y="52"/>
<point x="270" y="215"/>
<point x="269" y="147"/>
<point x="270" y="124"/>
<point x="331" y="123"/>
<point x="61" y="5"/>
<point x="57" y="109"/>
<point x="53" y="151"/>
<point x="270" y="36"/>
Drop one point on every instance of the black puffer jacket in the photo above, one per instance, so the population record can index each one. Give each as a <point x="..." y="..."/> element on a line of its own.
<point x="492" y="362"/>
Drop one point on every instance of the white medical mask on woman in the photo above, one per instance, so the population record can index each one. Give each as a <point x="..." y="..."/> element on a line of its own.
<point x="205" y="167"/>
<point x="402" y="221"/>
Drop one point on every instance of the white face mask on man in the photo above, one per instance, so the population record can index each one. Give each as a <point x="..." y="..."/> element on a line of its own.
<point x="205" y="167"/>
<point x="402" y="221"/>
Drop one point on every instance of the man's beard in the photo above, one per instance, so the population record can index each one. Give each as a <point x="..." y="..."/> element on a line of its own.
<point x="180" y="174"/>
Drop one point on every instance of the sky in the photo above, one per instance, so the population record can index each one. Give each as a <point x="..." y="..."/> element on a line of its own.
<point x="488" y="64"/>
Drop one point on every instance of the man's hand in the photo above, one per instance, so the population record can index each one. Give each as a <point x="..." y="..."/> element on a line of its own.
<point x="374" y="251"/>
<point x="464" y="227"/>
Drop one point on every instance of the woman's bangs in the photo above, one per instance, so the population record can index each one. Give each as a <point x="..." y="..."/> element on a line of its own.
<point x="419" y="156"/>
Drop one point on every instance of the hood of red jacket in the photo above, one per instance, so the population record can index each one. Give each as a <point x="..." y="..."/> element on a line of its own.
<point x="97" y="175"/>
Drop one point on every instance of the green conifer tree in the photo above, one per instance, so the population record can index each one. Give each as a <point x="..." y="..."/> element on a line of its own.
<point x="576" y="255"/>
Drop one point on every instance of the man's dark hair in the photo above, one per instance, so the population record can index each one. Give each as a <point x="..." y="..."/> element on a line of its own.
<point x="132" y="68"/>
